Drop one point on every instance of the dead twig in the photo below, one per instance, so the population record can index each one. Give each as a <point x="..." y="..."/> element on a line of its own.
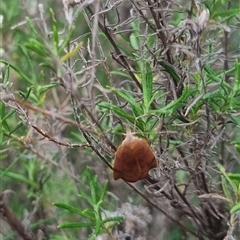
<point x="13" y="221"/>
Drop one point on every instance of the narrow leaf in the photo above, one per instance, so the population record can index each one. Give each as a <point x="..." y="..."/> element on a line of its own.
<point x="225" y="188"/>
<point x="93" y="186"/>
<point x="104" y="191"/>
<point x="71" y="53"/>
<point x="147" y="80"/>
<point x="9" y="114"/>
<point x="175" y="105"/>
<point x="170" y="69"/>
<point x="235" y="208"/>
<point x="237" y="76"/>
<point x="76" y="225"/>
<point x="18" y="71"/>
<point x="123" y="114"/>
<point x="230" y="182"/>
<point x="72" y="209"/>
<point x="29" y="61"/>
<point x="6" y="75"/>
<point x="66" y="40"/>
<point x="55" y="31"/>
<point x="16" y="128"/>
<point x="234" y="176"/>
<point x="113" y="219"/>
<point x="17" y="176"/>
<point x="128" y="97"/>
<point x="119" y="111"/>
<point x="47" y="87"/>
<point x="229" y="13"/>
<point x="36" y="47"/>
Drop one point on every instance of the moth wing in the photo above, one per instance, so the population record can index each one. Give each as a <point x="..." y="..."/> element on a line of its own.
<point x="126" y="165"/>
<point x="146" y="158"/>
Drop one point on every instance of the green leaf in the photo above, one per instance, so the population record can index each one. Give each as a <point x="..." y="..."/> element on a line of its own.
<point x="113" y="219"/>
<point x="235" y="208"/>
<point x="2" y="111"/>
<point x="93" y="186"/>
<point x="43" y="89"/>
<point x="121" y="113"/>
<point x="16" y="128"/>
<point x="120" y="73"/>
<point x="86" y="198"/>
<point x="125" y="50"/>
<point x="234" y="176"/>
<point x="104" y="190"/>
<point x="37" y="47"/>
<point x="134" y="41"/>
<point x="216" y="78"/>
<point x="6" y="127"/>
<point x="55" y="31"/>
<point x="237" y="146"/>
<point x="18" y="71"/>
<point x="6" y="75"/>
<point x="72" y="52"/>
<point x="147" y="80"/>
<point x="231" y="183"/>
<point x="17" y="176"/>
<point x="1" y="135"/>
<point x="89" y="213"/>
<point x="31" y="26"/>
<point x="26" y="96"/>
<point x="34" y="98"/>
<point x="226" y="13"/>
<point x="98" y="217"/>
<point x="170" y="69"/>
<point x="135" y="25"/>
<point x="73" y="210"/>
<point x="29" y="61"/>
<point x="150" y="41"/>
<point x="236" y="76"/>
<point x="128" y="97"/>
<point x="153" y="97"/>
<point x="175" y="105"/>
<point x="66" y="40"/>
<point x="225" y="188"/>
<point x="134" y="37"/>
<point x="9" y="114"/>
<point x="76" y="225"/>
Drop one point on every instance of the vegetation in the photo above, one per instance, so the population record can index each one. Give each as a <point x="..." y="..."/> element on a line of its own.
<point x="76" y="75"/>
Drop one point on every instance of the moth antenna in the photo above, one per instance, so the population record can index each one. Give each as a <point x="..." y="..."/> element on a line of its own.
<point x="128" y="135"/>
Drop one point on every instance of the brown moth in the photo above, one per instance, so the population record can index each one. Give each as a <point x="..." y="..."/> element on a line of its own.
<point x="133" y="159"/>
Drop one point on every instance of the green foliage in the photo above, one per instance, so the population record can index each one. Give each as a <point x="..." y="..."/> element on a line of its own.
<point x="231" y="188"/>
<point x="177" y="87"/>
<point x="93" y="214"/>
<point x="219" y="11"/>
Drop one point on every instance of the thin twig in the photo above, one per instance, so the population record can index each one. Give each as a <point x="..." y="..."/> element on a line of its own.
<point x="13" y="221"/>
